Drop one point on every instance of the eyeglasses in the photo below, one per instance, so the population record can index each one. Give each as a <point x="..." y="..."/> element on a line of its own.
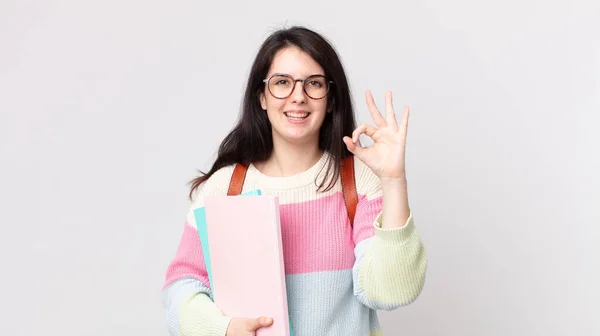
<point x="281" y="86"/>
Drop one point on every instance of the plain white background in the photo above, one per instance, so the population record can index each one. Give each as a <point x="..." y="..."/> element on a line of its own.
<point x="107" y="108"/>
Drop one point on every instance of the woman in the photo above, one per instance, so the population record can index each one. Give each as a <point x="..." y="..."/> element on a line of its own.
<point x="297" y="127"/>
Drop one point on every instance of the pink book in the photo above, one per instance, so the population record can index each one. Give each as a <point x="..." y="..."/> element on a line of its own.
<point x="246" y="258"/>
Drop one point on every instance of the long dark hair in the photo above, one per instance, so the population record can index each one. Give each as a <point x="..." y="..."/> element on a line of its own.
<point x="251" y="140"/>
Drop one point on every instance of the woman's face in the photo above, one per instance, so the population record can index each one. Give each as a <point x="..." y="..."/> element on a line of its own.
<point x="297" y="118"/>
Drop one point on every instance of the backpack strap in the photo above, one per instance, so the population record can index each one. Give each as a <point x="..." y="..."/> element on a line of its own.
<point x="349" y="187"/>
<point x="237" y="180"/>
<point x="346" y="174"/>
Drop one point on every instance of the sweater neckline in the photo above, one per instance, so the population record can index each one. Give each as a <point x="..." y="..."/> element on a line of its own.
<point x="288" y="182"/>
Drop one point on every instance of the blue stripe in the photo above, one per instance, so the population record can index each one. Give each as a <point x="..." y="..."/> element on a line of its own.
<point x="174" y="295"/>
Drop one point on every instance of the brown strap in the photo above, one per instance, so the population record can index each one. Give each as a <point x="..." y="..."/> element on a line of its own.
<point x="237" y="180"/>
<point x="349" y="187"/>
<point x="347" y="176"/>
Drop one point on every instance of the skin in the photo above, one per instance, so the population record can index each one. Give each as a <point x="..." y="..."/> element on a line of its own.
<point x="295" y="148"/>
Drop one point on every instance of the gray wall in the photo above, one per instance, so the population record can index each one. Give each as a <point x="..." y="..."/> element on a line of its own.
<point x="107" y="108"/>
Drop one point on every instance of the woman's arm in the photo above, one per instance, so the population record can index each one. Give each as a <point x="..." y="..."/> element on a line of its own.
<point x="391" y="260"/>
<point x="189" y="308"/>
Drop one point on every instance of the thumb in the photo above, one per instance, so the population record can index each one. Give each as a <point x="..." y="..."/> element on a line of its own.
<point x="260" y="322"/>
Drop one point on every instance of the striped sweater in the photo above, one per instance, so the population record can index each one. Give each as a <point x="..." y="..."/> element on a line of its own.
<point x="337" y="276"/>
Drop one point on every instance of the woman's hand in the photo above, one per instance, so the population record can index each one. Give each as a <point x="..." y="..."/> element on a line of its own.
<point x="247" y="327"/>
<point x="386" y="156"/>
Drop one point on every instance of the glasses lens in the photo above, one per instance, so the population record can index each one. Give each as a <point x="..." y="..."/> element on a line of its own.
<point x="316" y="86"/>
<point x="281" y="86"/>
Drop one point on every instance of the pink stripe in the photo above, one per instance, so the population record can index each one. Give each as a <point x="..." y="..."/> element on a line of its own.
<point x="189" y="260"/>
<point x="317" y="238"/>
<point x="366" y="214"/>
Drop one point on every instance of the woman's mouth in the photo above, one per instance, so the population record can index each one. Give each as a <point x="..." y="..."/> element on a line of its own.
<point x="296" y="116"/>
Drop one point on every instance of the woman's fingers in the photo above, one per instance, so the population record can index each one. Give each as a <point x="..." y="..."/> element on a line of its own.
<point x="375" y="114"/>
<point x="363" y="129"/>
<point x="390" y="115"/>
<point x="254" y="324"/>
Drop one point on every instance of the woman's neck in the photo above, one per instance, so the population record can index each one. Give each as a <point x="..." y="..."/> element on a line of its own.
<point x="289" y="160"/>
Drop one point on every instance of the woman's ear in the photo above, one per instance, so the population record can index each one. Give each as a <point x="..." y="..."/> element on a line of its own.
<point x="330" y="106"/>
<point x="263" y="102"/>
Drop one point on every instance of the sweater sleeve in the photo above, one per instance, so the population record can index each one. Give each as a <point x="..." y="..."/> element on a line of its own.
<point x="186" y="294"/>
<point x="391" y="264"/>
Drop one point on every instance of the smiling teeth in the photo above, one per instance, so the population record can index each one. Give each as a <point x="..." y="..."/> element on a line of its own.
<point x="297" y="115"/>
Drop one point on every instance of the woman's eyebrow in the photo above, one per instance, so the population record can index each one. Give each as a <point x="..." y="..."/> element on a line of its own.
<point x="287" y="74"/>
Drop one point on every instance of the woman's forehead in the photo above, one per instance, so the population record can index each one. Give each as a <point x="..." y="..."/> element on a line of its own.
<point x="295" y="62"/>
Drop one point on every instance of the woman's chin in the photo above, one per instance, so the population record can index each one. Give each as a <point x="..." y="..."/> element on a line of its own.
<point x="299" y="138"/>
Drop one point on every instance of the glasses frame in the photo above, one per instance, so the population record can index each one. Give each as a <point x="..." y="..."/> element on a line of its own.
<point x="295" y="80"/>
